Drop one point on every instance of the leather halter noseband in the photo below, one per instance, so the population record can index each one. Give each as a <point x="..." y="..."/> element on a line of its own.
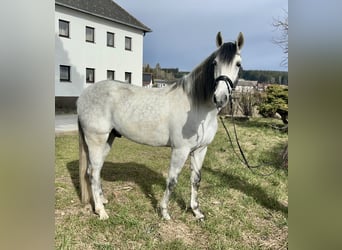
<point x="228" y="82"/>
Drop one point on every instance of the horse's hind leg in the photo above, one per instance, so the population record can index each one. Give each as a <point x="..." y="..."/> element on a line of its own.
<point x="107" y="148"/>
<point x="197" y="158"/>
<point x="178" y="158"/>
<point x="98" y="149"/>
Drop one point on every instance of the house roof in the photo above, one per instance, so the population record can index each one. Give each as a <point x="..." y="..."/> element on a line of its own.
<point x="106" y="9"/>
<point x="247" y="83"/>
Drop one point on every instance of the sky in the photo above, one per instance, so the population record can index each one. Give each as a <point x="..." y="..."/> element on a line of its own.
<point x="184" y="32"/>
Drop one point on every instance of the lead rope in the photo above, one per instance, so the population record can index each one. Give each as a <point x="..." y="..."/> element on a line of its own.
<point x="243" y="160"/>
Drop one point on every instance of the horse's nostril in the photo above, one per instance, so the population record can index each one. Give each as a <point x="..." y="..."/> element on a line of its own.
<point x="225" y="98"/>
<point x="215" y="100"/>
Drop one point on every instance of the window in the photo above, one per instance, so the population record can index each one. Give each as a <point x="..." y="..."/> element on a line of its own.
<point x="63" y="28"/>
<point x="128" y="77"/>
<point x="90" y="75"/>
<point x="110" y="74"/>
<point x="128" y="43"/>
<point x="64" y="73"/>
<point x="110" y="39"/>
<point x="90" y="34"/>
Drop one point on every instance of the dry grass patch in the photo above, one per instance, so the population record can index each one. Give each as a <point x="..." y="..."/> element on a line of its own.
<point x="177" y="230"/>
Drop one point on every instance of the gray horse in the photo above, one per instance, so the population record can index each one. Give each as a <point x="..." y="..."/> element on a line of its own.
<point x="182" y="116"/>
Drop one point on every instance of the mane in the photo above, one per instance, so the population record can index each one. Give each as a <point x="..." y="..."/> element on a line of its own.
<point x="199" y="84"/>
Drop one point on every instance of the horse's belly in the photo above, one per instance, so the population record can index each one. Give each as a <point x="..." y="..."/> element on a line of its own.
<point x="149" y="133"/>
<point x="142" y="120"/>
<point x="148" y="137"/>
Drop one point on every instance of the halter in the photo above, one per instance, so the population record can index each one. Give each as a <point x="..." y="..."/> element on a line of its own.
<point x="228" y="82"/>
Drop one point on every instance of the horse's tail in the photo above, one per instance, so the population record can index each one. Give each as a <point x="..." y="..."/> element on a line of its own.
<point x="83" y="165"/>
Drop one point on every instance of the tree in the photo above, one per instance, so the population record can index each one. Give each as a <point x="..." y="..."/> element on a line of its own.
<point x="157" y="70"/>
<point x="283" y="26"/>
<point x="148" y="69"/>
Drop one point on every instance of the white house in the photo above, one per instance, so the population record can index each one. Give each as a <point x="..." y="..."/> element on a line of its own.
<point x="94" y="41"/>
<point x="246" y="86"/>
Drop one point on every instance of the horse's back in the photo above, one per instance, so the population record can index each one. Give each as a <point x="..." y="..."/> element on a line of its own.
<point x="139" y="114"/>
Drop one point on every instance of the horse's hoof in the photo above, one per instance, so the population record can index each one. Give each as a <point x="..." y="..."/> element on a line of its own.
<point x="165" y="215"/>
<point x="200" y="219"/>
<point x="199" y="216"/>
<point x="103" y="215"/>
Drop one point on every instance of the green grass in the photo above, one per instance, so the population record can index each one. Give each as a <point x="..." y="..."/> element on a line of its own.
<point x="243" y="210"/>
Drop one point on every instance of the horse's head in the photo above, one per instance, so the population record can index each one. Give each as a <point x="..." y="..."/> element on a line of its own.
<point x="226" y="63"/>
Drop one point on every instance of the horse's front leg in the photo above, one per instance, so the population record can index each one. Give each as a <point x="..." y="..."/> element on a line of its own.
<point x="197" y="158"/>
<point x="178" y="158"/>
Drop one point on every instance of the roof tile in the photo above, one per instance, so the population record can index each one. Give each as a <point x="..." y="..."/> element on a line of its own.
<point x="106" y="9"/>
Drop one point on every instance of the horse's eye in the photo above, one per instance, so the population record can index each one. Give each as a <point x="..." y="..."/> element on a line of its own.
<point x="238" y="64"/>
<point x="214" y="62"/>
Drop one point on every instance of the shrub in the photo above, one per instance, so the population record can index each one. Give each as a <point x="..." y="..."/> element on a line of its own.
<point x="275" y="99"/>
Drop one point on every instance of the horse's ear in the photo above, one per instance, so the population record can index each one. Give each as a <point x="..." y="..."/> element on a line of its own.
<point x="219" y="39"/>
<point x="240" y="41"/>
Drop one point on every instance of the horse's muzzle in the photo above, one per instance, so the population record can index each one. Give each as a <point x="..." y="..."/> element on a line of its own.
<point x="220" y="102"/>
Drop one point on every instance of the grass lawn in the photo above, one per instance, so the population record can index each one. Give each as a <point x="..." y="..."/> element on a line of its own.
<point x="243" y="210"/>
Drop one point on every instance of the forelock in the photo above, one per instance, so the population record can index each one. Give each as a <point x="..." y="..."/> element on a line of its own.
<point x="226" y="52"/>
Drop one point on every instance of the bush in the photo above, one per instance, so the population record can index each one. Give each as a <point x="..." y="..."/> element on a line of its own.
<point x="274" y="100"/>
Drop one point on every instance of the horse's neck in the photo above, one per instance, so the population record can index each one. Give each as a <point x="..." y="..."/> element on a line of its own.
<point x="198" y="74"/>
<point x="200" y="83"/>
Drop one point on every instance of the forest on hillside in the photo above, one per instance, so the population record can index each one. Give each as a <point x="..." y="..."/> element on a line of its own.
<point x="262" y="76"/>
<point x="265" y="76"/>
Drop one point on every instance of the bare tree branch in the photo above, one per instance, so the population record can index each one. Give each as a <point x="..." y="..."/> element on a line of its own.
<point x="283" y="26"/>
